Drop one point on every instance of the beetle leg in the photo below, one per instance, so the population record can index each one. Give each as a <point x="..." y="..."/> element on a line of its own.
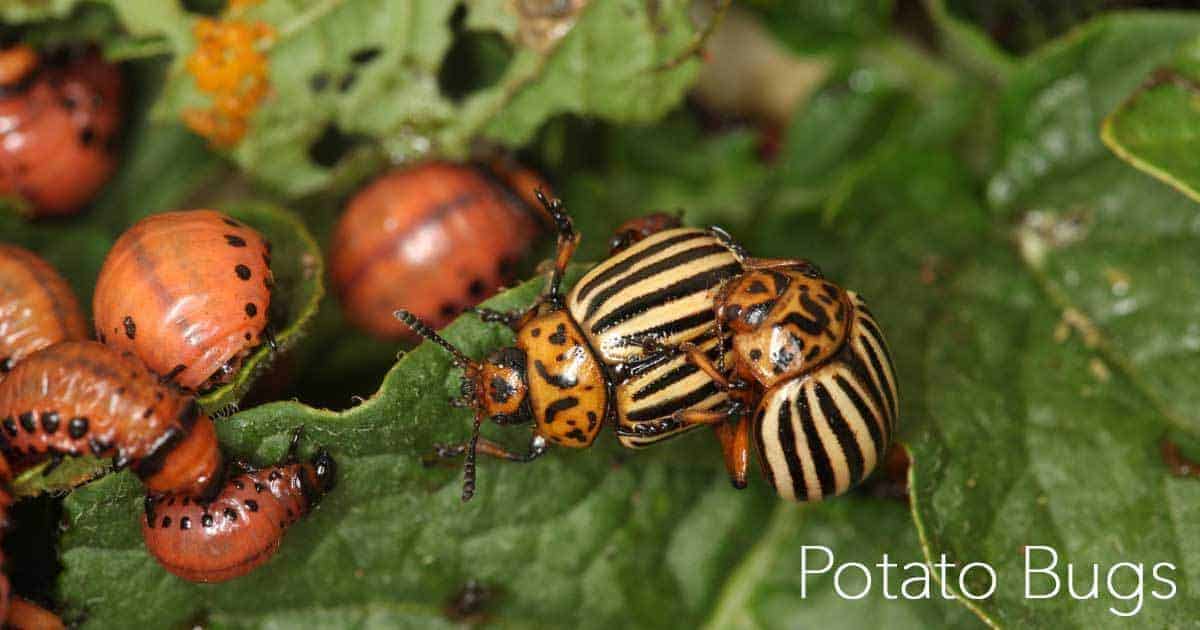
<point x="731" y="411"/>
<point x="513" y="319"/>
<point x="537" y="447"/>
<point x="698" y="358"/>
<point x="568" y="240"/>
<point x="735" y="446"/>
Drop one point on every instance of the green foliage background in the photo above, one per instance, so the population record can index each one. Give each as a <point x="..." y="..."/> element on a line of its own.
<point x="1015" y="196"/>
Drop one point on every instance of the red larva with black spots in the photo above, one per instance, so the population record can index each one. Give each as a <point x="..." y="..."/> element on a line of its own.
<point x="433" y="238"/>
<point x="80" y="397"/>
<point x="59" y="118"/>
<point x="37" y="307"/>
<point x="239" y="530"/>
<point x="188" y="292"/>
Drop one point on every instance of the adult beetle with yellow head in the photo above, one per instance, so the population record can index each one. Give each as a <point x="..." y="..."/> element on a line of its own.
<point x="678" y="329"/>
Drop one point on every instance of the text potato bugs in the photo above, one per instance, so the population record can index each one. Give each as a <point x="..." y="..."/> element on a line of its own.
<point x="80" y="397"/>
<point x="188" y="292"/>
<point x="660" y="339"/>
<point x="242" y="527"/>
<point x="433" y="238"/>
<point x="59" y="117"/>
<point x="37" y="307"/>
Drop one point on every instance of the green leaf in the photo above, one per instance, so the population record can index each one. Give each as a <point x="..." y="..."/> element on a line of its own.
<point x="361" y="79"/>
<point x="1156" y="130"/>
<point x="1047" y="386"/>
<point x="825" y="27"/>
<point x="392" y="543"/>
<point x="20" y="11"/>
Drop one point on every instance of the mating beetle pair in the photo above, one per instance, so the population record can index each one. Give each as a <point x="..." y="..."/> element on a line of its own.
<point x="681" y="328"/>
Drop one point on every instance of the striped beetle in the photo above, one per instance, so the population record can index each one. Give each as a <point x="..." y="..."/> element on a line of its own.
<point x="643" y="340"/>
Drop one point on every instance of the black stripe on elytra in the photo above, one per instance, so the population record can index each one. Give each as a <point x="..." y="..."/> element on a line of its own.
<point x="841" y="430"/>
<point x="756" y="431"/>
<point x="854" y="360"/>
<point x="623" y="266"/>
<point x="667" y="330"/>
<point x="668" y="407"/>
<point x="560" y="381"/>
<point x="869" y="324"/>
<point x="864" y="411"/>
<point x="562" y="404"/>
<point x="677" y="290"/>
<point x="786" y="434"/>
<point x="816" y="448"/>
<point x="673" y="261"/>
<point x="880" y="374"/>
<point x="675" y="374"/>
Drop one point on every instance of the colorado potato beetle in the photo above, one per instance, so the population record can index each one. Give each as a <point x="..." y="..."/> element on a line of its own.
<point x="433" y="238"/>
<point x="79" y="397"/>
<point x="242" y="527"/>
<point x="188" y="292"/>
<point x="683" y="329"/>
<point x="812" y="367"/>
<point x="37" y="307"/>
<point x="581" y="360"/>
<point x="59" y="118"/>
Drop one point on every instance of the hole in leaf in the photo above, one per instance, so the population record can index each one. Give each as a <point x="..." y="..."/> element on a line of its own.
<point x="332" y="145"/>
<point x="210" y="8"/>
<point x="476" y="61"/>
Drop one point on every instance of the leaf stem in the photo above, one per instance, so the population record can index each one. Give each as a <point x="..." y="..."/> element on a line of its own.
<point x="730" y="609"/>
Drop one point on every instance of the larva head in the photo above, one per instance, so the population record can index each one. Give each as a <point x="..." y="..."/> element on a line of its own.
<point x="320" y="476"/>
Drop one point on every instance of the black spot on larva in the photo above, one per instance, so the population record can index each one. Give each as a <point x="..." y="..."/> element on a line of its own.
<point x="206" y="520"/>
<point x="476" y="288"/>
<point x="130" y="327"/>
<point x="251" y="309"/>
<point x="243" y="272"/>
<point x="237" y="483"/>
<point x="235" y="241"/>
<point x="147" y="413"/>
<point x="274" y="476"/>
<point x="98" y="447"/>
<point x="6" y="365"/>
<point x="171" y="501"/>
<point x="50" y="420"/>
<point x="175" y="371"/>
<point x="27" y="422"/>
<point x="248" y="336"/>
<point x="102" y="338"/>
<point x="536" y="332"/>
<point x="559" y="337"/>
<point x="251" y="505"/>
<point x="185" y="523"/>
<point x="447" y="310"/>
<point x="230" y="514"/>
<point x="87" y="136"/>
<point x="166" y="522"/>
<point x="69" y="103"/>
<point x="258" y="487"/>
<point x="231" y="222"/>
<point x="755" y="354"/>
<point x="77" y="427"/>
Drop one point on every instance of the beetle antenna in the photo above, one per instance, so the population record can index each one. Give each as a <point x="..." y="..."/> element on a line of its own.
<point x="423" y="329"/>
<point x="468" y="490"/>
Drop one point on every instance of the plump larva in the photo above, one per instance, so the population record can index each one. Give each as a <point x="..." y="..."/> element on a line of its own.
<point x="80" y="397"/>
<point x="37" y="307"/>
<point x="188" y="292"/>
<point x="433" y="238"/>
<point x="681" y="329"/>
<point x="59" y="121"/>
<point x="240" y="529"/>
